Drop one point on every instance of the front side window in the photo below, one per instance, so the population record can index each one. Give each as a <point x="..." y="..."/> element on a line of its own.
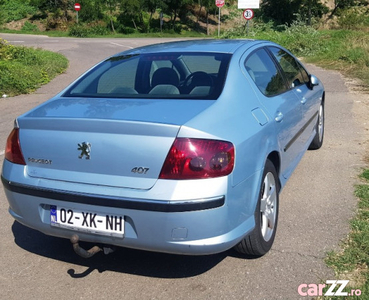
<point x="159" y="75"/>
<point x="264" y="73"/>
<point x="290" y="67"/>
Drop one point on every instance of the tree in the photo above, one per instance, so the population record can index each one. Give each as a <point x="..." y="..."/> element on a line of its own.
<point x="150" y="6"/>
<point x="208" y="5"/>
<point x="91" y="10"/>
<point x="280" y="11"/>
<point x="343" y="4"/>
<point x="283" y="12"/>
<point x="174" y="7"/>
<point x="312" y="9"/>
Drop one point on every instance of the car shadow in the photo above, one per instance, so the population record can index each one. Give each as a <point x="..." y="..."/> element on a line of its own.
<point x="123" y="260"/>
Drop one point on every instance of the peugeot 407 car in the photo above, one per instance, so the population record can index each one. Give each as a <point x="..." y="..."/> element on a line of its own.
<point x="179" y="147"/>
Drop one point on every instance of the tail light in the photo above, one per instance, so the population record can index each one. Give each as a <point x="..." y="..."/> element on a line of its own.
<point x="13" y="151"/>
<point x="198" y="158"/>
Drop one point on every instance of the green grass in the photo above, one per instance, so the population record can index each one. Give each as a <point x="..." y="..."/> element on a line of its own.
<point x="351" y="263"/>
<point x="23" y="70"/>
<point x="346" y="51"/>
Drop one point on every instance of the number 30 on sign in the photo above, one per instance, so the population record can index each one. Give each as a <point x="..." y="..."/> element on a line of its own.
<point x="248" y="14"/>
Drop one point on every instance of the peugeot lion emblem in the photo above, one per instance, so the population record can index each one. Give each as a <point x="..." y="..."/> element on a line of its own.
<point x="85" y="149"/>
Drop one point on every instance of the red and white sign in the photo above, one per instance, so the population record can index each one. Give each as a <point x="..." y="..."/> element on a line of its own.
<point x="219" y="3"/>
<point x="77" y="6"/>
<point x="248" y="14"/>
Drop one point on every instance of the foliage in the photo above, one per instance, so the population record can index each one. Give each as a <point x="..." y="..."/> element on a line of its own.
<point x="343" y="50"/>
<point x="142" y="16"/>
<point x="353" y="18"/>
<point x="24" y="69"/>
<point x="13" y="10"/>
<point x="85" y="30"/>
<point x="91" y="10"/>
<point x="282" y="12"/>
<point x="300" y="39"/>
<point x="279" y="11"/>
<point x="29" y="27"/>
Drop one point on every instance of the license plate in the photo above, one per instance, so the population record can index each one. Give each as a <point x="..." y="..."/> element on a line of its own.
<point x="87" y="221"/>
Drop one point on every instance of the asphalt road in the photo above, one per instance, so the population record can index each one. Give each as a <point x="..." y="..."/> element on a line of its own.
<point x="315" y="208"/>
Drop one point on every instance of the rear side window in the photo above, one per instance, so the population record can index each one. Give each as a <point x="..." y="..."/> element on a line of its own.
<point x="291" y="68"/>
<point x="264" y="73"/>
<point x="158" y="75"/>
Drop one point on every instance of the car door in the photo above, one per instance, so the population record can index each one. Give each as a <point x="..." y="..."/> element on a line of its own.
<point x="281" y="103"/>
<point x="298" y="81"/>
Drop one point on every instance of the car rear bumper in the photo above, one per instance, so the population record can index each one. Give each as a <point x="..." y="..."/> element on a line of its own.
<point x="203" y="225"/>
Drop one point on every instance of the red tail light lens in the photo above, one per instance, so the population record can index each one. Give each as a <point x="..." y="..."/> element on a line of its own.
<point x="13" y="151"/>
<point x="198" y="158"/>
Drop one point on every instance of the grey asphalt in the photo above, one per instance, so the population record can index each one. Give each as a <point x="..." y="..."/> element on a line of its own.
<point x="315" y="207"/>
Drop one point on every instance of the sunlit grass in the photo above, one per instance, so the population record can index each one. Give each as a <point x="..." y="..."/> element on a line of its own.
<point x="23" y="70"/>
<point x="351" y="263"/>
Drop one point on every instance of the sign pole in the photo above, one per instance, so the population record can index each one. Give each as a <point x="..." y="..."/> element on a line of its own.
<point x="77" y="7"/>
<point x="219" y="3"/>
<point x="219" y="22"/>
<point x="248" y="14"/>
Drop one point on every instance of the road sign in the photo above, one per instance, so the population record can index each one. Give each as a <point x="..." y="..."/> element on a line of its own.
<point x="248" y="4"/>
<point x="248" y="14"/>
<point x="219" y="3"/>
<point x="77" y="6"/>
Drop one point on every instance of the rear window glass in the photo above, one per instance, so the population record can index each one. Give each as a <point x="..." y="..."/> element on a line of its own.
<point x="161" y="75"/>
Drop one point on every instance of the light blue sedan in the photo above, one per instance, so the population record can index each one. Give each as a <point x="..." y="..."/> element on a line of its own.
<point x="179" y="147"/>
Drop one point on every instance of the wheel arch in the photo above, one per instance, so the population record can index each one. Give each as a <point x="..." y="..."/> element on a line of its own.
<point x="275" y="158"/>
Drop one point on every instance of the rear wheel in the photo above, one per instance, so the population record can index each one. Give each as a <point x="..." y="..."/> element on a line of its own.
<point x="261" y="239"/>
<point x="317" y="142"/>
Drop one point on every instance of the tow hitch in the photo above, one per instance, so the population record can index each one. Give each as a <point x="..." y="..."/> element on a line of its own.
<point x="88" y="253"/>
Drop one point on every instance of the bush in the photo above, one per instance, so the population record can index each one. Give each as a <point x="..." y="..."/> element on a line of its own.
<point x="125" y="29"/>
<point x="353" y="19"/>
<point x="298" y="38"/>
<point x="15" y="10"/>
<point x="79" y="31"/>
<point x="29" y="27"/>
<point x="83" y="30"/>
<point x="25" y="69"/>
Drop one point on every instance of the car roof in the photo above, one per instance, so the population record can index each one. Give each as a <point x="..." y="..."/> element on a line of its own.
<point x="205" y="45"/>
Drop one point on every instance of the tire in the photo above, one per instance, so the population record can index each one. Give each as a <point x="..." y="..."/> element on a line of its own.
<point x="317" y="142"/>
<point x="261" y="239"/>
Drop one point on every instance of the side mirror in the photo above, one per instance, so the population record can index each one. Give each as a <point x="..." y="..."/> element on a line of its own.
<point x="313" y="81"/>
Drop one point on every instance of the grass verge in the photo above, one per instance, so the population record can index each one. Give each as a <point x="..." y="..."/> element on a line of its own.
<point x="351" y="263"/>
<point x="23" y="70"/>
<point x="346" y="51"/>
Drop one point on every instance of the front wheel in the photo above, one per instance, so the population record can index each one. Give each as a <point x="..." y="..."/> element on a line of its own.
<point x="261" y="239"/>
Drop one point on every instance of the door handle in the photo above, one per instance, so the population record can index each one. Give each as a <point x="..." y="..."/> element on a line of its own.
<point x="279" y="117"/>
<point x="303" y="100"/>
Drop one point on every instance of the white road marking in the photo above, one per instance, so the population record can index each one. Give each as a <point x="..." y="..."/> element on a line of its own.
<point x="121" y="45"/>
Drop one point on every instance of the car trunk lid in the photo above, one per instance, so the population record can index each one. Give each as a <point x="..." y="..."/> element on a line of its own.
<point x="94" y="143"/>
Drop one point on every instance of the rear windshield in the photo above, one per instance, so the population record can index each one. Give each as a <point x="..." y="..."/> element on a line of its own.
<point x="161" y="75"/>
